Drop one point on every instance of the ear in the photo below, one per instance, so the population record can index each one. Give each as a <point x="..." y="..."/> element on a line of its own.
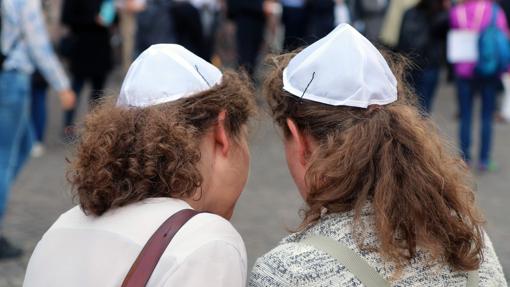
<point x="301" y="141"/>
<point x="221" y="138"/>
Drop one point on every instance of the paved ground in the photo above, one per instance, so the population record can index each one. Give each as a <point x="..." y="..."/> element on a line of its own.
<point x="268" y="207"/>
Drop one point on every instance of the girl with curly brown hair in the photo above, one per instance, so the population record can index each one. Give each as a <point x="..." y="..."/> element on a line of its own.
<point x="175" y="140"/>
<point x="388" y="202"/>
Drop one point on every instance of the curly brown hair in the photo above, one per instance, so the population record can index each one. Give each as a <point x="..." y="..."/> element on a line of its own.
<point x="393" y="157"/>
<point x="125" y="155"/>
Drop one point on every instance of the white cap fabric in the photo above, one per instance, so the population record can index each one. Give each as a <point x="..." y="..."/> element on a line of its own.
<point x="343" y="68"/>
<point x="165" y="73"/>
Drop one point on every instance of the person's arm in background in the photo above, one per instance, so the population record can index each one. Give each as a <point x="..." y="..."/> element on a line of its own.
<point x="35" y="35"/>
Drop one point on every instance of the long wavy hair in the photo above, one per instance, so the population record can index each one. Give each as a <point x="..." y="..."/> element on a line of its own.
<point x="393" y="158"/>
<point x="125" y="155"/>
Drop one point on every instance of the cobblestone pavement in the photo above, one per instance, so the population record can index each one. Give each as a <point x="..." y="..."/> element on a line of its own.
<point x="268" y="207"/>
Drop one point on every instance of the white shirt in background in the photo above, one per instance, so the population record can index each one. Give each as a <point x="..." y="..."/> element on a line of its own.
<point x="84" y="251"/>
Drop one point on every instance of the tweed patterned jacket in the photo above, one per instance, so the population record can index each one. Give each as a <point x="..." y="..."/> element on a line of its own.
<point x="295" y="264"/>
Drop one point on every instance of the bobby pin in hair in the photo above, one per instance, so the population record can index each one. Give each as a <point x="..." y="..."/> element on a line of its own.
<point x="203" y="78"/>
<point x="304" y="92"/>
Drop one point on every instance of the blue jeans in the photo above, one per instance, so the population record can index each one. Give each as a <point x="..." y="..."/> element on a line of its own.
<point x="15" y="129"/>
<point x="466" y="91"/>
<point x="425" y="83"/>
<point x="96" y="94"/>
<point x="38" y="115"/>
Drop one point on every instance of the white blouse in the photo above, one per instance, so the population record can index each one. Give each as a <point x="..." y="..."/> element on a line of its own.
<point x="83" y="251"/>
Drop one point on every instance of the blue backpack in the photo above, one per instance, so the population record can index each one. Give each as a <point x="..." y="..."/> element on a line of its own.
<point x="493" y="49"/>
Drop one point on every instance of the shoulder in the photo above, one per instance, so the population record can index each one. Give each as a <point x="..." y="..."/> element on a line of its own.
<point x="293" y="263"/>
<point x="296" y="264"/>
<point x="208" y="245"/>
<point x="491" y="270"/>
<point x="205" y="231"/>
<point x="215" y="227"/>
<point x="138" y="222"/>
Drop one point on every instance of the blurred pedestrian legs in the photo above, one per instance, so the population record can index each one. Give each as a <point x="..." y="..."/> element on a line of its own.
<point x="425" y="83"/>
<point x="15" y="139"/>
<point x="90" y="52"/>
<point x="38" y="112"/>
<point x="24" y="45"/>
<point x="96" y="93"/>
<point x="250" y="19"/>
<point x="466" y="89"/>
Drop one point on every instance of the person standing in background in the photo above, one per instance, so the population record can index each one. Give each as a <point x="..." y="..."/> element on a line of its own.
<point x="390" y="31"/>
<point x="196" y="23"/>
<point x="154" y="24"/>
<point x="321" y="19"/>
<point x="476" y="15"/>
<point x="25" y="45"/>
<point x="306" y="21"/>
<point x="209" y="11"/>
<point x="422" y="40"/>
<point x="90" y="52"/>
<point x="294" y="20"/>
<point x="188" y="27"/>
<point x="250" y="19"/>
<point x="372" y="14"/>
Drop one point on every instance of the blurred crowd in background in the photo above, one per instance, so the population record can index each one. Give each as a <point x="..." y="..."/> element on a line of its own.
<point x="240" y="32"/>
<point x="92" y="38"/>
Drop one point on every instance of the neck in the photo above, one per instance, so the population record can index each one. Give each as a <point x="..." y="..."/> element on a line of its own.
<point x="195" y="202"/>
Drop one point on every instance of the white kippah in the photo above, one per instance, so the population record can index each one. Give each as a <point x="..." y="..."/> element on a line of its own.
<point x="165" y="73"/>
<point x="343" y="68"/>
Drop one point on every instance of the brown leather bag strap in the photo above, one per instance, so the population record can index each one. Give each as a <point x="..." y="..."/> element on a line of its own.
<point x="146" y="262"/>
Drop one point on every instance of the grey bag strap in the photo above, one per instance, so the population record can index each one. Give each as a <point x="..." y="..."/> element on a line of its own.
<point x="365" y="273"/>
<point x="473" y="279"/>
<point x="350" y="259"/>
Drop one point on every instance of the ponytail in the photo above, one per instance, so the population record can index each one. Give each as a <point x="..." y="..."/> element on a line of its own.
<point x="419" y="192"/>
